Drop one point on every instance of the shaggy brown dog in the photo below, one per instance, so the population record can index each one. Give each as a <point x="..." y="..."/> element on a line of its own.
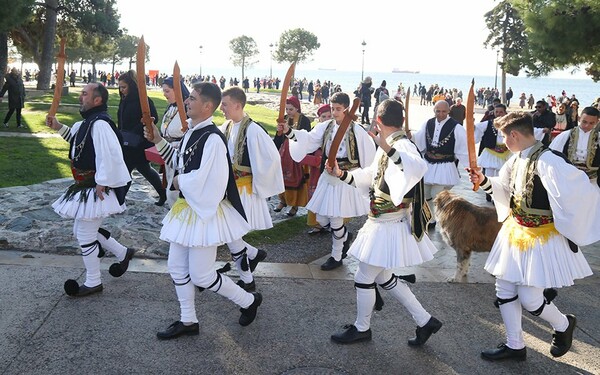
<point x="465" y="227"/>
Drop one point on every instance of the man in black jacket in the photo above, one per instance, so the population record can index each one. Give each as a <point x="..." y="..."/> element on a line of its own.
<point x="543" y="118"/>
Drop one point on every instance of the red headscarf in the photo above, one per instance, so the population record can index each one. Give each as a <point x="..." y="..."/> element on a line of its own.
<point x="294" y="101"/>
<point x="324" y="108"/>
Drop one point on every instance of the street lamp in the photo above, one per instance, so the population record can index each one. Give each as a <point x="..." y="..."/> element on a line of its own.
<point x="362" y="72"/>
<point x="271" y="66"/>
<point x="496" y="78"/>
<point x="200" y="63"/>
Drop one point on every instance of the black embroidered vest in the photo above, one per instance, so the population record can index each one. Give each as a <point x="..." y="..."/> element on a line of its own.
<point x="192" y="159"/>
<point x="489" y="138"/>
<point x="444" y="152"/>
<point x="84" y="157"/>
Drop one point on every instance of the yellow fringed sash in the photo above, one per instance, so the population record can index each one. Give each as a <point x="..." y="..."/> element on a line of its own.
<point x="525" y="237"/>
<point x="504" y="155"/>
<point x="244" y="182"/>
<point x="177" y="212"/>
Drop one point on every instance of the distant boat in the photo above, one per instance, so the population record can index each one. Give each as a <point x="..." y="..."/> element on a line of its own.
<point x="396" y="70"/>
<point x="327" y="69"/>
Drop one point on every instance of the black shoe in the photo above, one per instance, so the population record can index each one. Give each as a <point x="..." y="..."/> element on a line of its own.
<point x="504" y="352"/>
<point x="347" y="244"/>
<point x="161" y="200"/>
<point x="178" y="329"/>
<point x="316" y="230"/>
<point x="249" y="313"/>
<point x="350" y="335"/>
<point x="331" y="264"/>
<point x="118" y="269"/>
<point x="260" y="256"/>
<point x="423" y="333"/>
<point x="561" y="341"/>
<point x="75" y="290"/>
<point x="250" y="287"/>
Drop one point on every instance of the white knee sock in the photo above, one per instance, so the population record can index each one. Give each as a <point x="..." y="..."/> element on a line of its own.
<point x="512" y="316"/>
<point x="365" y="301"/>
<point x="227" y="288"/>
<point x="235" y="247"/>
<point x="403" y="294"/>
<point x="557" y="320"/>
<point x="113" y="246"/>
<point x="186" y="296"/>
<point x="92" y="265"/>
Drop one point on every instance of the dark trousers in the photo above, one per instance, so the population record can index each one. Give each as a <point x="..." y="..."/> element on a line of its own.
<point x="365" y="115"/>
<point x="9" y="114"/>
<point x="150" y="174"/>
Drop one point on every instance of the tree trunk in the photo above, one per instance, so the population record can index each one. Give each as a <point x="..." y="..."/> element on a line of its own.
<point x="3" y="56"/>
<point x="503" y="94"/>
<point x="47" y="56"/>
<point x="93" y="70"/>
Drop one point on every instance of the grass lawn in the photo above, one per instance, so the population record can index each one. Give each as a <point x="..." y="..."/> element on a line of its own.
<point x="25" y="161"/>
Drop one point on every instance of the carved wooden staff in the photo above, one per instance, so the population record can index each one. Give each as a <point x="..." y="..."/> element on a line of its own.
<point x="470" y="130"/>
<point x="339" y="135"/>
<point x="60" y="77"/>
<point x="179" y="97"/>
<point x="141" y="82"/>
<point x="284" y="91"/>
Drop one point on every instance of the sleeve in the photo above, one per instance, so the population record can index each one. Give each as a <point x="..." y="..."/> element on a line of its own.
<point x="267" y="175"/>
<point x="153" y="111"/>
<point x="419" y="137"/>
<point x="405" y="172"/>
<point x="558" y="143"/>
<point x="501" y="189"/>
<point x="307" y="141"/>
<point x="110" y="166"/>
<point x="575" y="202"/>
<point x="538" y="133"/>
<point x="365" y="144"/>
<point x="204" y="188"/>
<point x="480" y="129"/>
<point x="460" y="146"/>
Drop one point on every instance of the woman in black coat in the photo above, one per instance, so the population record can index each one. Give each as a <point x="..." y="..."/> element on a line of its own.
<point x="16" y="96"/>
<point x="132" y="129"/>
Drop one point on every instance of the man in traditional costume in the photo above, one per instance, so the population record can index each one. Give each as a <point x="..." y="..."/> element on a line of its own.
<point x="444" y="145"/>
<point x="101" y="178"/>
<point x="580" y="145"/>
<point x="257" y="171"/>
<point x="333" y="199"/>
<point x="394" y="235"/>
<point x="548" y="209"/>
<point x="208" y="213"/>
<point x="493" y="153"/>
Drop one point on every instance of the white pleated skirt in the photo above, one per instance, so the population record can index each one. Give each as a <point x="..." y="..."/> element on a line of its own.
<point x="551" y="265"/>
<point x="335" y="198"/>
<point x="184" y="227"/>
<point x="257" y="211"/>
<point x="387" y="242"/>
<point x="91" y="209"/>
<point x="489" y="160"/>
<point x="441" y="174"/>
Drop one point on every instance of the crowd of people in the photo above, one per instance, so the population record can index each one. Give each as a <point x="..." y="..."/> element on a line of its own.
<point x="220" y="177"/>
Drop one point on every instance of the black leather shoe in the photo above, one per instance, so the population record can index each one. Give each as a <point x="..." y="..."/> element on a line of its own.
<point x="331" y="264"/>
<point x="347" y="244"/>
<point x="250" y="287"/>
<point x="178" y="329"/>
<point x="73" y="289"/>
<point x="350" y="335"/>
<point x="504" y="352"/>
<point x="118" y="269"/>
<point x="561" y="341"/>
<point x="249" y="313"/>
<point x="423" y="333"/>
<point x="260" y="256"/>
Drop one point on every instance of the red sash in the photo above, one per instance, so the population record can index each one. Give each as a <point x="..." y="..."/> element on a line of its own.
<point x="293" y="174"/>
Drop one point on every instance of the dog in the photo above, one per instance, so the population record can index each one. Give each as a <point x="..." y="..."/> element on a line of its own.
<point x="465" y="227"/>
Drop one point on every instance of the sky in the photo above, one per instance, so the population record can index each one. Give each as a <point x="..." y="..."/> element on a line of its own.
<point x="434" y="36"/>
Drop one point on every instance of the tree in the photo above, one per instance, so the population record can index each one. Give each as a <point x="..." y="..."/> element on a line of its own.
<point x="243" y="49"/>
<point x="562" y="34"/>
<point x="38" y="35"/>
<point x="12" y="13"/>
<point x="507" y="34"/>
<point x="295" y="46"/>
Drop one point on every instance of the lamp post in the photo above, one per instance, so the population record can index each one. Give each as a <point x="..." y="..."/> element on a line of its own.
<point x="362" y="72"/>
<point x="200" y="62"/>
<point x="496" y="77"/>
<point x="271" y="65"/>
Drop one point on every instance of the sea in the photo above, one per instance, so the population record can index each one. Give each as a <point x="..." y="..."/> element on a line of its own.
<point x="584" y="89"/>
